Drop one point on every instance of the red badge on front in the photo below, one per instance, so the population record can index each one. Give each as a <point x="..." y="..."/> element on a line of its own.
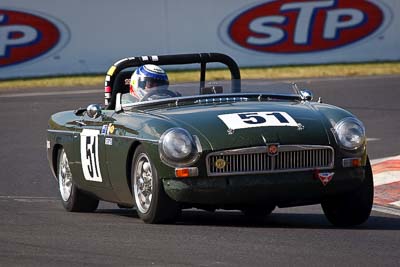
<point x="325" y="177"/>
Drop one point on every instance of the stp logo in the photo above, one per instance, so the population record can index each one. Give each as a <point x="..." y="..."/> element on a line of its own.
<point x="25" y="36"/>
<point x="294" y="26"/>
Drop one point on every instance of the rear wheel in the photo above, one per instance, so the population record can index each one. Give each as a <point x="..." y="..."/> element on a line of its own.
<point x="353" y="208"/>
<point x="72" y="198"/>
<point x="152" y="203"/>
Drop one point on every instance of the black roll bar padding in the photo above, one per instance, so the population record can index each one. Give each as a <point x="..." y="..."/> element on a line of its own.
<point x="179" y="59"/>
<point x="203" y="67"/>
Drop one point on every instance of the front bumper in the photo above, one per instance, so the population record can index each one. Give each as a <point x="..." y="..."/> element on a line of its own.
<point x="281" y="189"/>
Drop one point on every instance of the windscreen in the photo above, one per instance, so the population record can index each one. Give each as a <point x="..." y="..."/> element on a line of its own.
<point x="214" y="88"/>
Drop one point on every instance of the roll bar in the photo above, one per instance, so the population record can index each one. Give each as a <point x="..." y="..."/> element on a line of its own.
<point x="110" y="90"/>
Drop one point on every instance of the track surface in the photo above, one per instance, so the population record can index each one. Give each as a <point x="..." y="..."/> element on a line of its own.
<point x="35" y="230"/>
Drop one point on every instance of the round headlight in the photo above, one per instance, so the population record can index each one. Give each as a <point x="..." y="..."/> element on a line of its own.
<point x="177" y="148"/>
<point x="350" y="133"/>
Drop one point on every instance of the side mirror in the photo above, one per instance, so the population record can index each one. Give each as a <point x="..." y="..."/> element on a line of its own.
<point x="93" y="111"/>
<point x="307" y="94"/>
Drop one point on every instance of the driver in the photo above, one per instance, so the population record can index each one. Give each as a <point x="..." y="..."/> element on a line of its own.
<point x="149" y="77"/>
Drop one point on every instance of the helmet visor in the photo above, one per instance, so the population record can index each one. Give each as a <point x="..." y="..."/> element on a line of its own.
<point x="148" y="82"/>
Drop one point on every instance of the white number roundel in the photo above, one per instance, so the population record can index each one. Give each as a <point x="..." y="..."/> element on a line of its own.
<point x="90" y="155"/>
<point x="257" y="119"/>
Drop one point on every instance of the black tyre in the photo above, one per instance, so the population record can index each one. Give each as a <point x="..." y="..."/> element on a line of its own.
<point x="353" y="208"/>
<point x="152" y="203"/>
<point x="72" y="198"/>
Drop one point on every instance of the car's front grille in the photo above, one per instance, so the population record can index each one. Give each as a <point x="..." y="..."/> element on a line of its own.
<point x="257" y="160"/>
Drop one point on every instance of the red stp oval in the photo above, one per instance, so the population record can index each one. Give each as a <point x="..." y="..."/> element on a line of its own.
<point x="25" y="36"/>
<point x="288" y="26"/>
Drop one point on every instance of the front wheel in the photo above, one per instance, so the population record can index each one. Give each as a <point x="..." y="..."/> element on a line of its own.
<point x="352" y="208"/>
<point x="72" y="198"/>
<point x="152" y="203"/>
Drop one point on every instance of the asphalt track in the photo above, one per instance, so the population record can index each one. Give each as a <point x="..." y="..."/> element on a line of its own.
<point x="36" y="231"/>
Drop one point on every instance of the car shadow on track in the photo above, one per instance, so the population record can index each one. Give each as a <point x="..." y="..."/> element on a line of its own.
<point x="282" y="220"/>
<point x="275" y="220"/>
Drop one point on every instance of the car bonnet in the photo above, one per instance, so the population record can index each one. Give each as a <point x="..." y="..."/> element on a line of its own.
<point x="247" y="124"/>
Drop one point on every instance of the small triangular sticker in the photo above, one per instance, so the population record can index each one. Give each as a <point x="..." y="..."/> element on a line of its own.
<point x="325" y="177"/>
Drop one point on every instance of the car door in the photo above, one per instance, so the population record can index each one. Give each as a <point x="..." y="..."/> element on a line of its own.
<point x="91" y="132"/>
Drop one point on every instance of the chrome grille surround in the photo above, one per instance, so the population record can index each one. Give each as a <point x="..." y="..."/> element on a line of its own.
<point x="255" y="160"/>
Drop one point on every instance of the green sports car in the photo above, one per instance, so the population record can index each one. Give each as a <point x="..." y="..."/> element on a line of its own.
<point x="240" y="145"/>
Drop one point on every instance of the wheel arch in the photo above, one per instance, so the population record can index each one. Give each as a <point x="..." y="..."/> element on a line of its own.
<point x="54" y="158"/>
<point x="128" y="164"/>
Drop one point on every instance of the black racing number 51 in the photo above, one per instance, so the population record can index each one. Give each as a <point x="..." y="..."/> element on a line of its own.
<point x="91" y="155"/>
<point x="252" y="118"/>
<point x="259" y="118"/>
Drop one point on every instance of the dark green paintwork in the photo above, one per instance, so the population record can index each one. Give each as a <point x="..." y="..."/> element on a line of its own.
<point x="145" y="126"/>
<point x="203" y="120"/>
<point x="283" y="189"/>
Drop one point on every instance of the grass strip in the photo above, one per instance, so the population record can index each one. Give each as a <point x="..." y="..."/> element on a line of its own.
<point x="283" y="72"/>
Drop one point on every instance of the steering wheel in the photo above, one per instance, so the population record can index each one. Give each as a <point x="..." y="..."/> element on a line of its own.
<point x="158" y="91"/>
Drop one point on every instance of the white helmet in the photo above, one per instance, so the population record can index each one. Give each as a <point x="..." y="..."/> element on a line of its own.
<point x="146" y="77"/>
